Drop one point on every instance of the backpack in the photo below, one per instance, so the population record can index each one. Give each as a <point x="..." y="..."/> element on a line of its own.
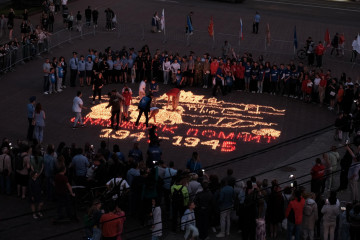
<point x="308" y="209"/>
<point x="19" y="162"/>
<point x="178" y="197"/>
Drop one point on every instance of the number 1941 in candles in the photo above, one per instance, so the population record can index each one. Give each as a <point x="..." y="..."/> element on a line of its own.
<point x="225" y="146"/>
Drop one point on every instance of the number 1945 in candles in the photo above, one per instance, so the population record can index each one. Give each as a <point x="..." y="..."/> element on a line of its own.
<point x="225" y="146"/>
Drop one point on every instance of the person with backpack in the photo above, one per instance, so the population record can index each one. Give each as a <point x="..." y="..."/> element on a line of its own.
<point x="310" y="216"/>
<point x="179" y="200"/>
<point x="22" y="166"/>
<point x="294" y="215"/>
<point x="144" y="107"/>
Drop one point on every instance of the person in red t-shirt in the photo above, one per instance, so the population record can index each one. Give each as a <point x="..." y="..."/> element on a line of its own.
<point x="239" y="76"/>
<point x="319" y="52"/>
<point x="322" y="88"/>
<point x="174" y="94"/>
<point x="317" y="176"/>
<point x="111" y="223"/>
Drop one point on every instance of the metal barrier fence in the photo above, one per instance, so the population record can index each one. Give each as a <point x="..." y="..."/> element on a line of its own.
<point x="253" y="43"/>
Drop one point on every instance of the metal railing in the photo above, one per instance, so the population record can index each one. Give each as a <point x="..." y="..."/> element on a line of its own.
<point x="15" y="55"/>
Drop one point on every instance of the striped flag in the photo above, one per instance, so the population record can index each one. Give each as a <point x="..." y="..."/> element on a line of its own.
<point x="327" y="39"/>
<point x="241" y="29"/>
<point x="189" y="24"/>
<point x="295" y="39"/>
<point x="211" y="27"/>
<point x="163" y="20"/>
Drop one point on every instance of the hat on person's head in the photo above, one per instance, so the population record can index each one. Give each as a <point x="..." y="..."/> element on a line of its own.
<point x="32" y="99"/>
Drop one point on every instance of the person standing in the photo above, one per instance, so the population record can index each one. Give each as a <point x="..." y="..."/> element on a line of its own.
<point x="39" y="117"/>
<point x="330" y="210"/>
<point x="10" y="22"/>
<point x="73" y="69"/>
<point x="294" y="215"/>
<point x="310" y="216"/>
<point x="142" y="88"/>
<point x="166" y="66"/>
<point x="5" y="171"/>
<point x="317" y="174"/>
<point x="154" y="89"/>
<point x="110" y="223"/>
<point x="319" y="52"/>
<point x="95" y="16"/>
<point x="35" y="195"/>
<point x="46" y="70"/>
<point x="30" y="115"/>
<point x="88" y="16"/>
<point x="226" y="202"/>
<point x="115" y="104"/>
<point x="81" y="70"/>
<point x="256" y="23"/>
<point x="335" y="44"/>
<point x="156" y="221"/>
<point x="355" y="49"/>
<point x="219" y="80"/>
<point x="77" y="107"/>
<point x="97" y="86"/>
<point x="353" y="175"/>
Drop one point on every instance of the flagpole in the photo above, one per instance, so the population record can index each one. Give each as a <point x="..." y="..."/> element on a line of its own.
<point x="213" y="45"/>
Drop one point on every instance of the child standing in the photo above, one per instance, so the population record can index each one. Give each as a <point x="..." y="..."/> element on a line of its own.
<point x="52" y="81"/>
<point x="189" y="223"/>
<point x="35" y="195"/>
<point x="157" y="222"/>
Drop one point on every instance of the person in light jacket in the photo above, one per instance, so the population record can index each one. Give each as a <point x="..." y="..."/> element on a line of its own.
<point x="330" y="210"/>
<point x="310" y="216"/>
<point x="157" y="222"/>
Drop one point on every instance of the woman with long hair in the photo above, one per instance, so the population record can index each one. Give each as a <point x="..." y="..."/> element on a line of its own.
<point x="39" y="118"/>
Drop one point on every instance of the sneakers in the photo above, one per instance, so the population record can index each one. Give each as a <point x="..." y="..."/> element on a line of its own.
<point x="220" y="235"/>
<point x="35" y="216"/>
<point x="40" y="214"/>
<point x="213" y="229"/>
<point x="46" y="93"/>
<point x="60" y="90"/>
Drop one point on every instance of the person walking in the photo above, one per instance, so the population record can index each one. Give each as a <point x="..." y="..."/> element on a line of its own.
<point x="77" y="107"/>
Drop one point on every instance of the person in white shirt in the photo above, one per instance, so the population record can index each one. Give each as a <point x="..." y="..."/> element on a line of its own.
<point x="166" y="69"/>
<point x="142" y="88"/>
<point x="355" y="49"/>
<point x="174" y="67"/>
<point x="120" y="183"/>
<point x="77" y="108"/>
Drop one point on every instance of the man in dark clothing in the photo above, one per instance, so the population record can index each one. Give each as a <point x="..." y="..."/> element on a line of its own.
<point x="97" y="85"/>
<point x="139" y="67"/>
<point x="345" y="164"/>
<point x="95" y="16"/>
<point x="144" y="107"/>
<point x="219" y="79"/>
<point x="88" y="15"/>
<point x="114" y="103"/>
<point x="203" y="202"/>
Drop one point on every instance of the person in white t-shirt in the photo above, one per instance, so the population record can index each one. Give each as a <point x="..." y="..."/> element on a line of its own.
<point x="77" y="107"/>
<point x="142" y="88"/>
<point x="119" y="182"/>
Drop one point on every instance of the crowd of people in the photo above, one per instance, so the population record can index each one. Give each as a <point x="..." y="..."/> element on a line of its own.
<point x="142" y="186"/>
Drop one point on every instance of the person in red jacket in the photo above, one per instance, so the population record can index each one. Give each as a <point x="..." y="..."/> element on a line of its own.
<point x="239" y="76"/>
<point x="317" y="176"/>
<point x="319" y="52"/>
<point x="294" y="215"/>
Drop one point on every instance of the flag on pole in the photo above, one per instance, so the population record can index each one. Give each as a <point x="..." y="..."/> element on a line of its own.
<point x="211" y="27"/>
<point x="189" y="24"/>
<point x="268" y="36"/>
<point x="295" y="39"/>
<point x="241" y="29"/>
<point x="163" y="20"/>
<point x="327" y="39"/>
<point x="357" y="46"/>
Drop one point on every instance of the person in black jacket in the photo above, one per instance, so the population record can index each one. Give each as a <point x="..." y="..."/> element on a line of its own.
<point x="88" y="16"/>
<point x="97" y="85"/>
<point x="203" y="201"/>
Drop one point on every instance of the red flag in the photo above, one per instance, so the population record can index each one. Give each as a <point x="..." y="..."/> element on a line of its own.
<point x="327" y="38"/>
<point x="211" y="27"/>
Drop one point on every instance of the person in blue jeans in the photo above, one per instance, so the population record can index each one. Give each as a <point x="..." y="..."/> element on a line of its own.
<point x="294" y="215"/>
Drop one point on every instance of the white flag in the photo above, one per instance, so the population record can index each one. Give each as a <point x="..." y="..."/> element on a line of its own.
<point x="357" y="46"/>
<point x="162" y="20"/>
